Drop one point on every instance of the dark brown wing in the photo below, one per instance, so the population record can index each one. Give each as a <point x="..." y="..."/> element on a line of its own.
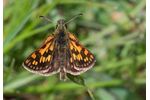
<point x="42" y="61"/>
<point x="80" y="59"/>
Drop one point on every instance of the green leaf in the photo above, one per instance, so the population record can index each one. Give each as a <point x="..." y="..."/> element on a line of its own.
<point x="77" y="79"/>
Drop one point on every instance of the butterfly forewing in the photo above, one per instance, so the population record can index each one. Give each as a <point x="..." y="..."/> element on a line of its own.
<point x="41" y="61"/>
<point x="80" y="59"/>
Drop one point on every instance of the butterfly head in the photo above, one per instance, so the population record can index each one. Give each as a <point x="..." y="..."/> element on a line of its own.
<point x="61" y="25"/>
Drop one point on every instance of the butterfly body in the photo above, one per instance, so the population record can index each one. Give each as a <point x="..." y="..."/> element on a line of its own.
<point x="60" y="53"/>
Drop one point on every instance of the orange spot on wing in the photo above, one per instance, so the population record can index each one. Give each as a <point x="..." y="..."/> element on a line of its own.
<point x="33" y="55"/>
<point x="76" y="47"/>
<point x="42" y="51"/>
<point x="43" y="59"/>
<point x="33" y="62"/>
<point x="87" y="58"/>
<point x="85" y="52"/>
<point x="91" y="56"/>
<point x="84" y="59"/>
<point x="74" y="56"/>
<point x="72" y="36"/>
<point x="79" y="57"/>
<point x="46" y="50"/>
<point x="90" y="59"/>
<point x="79" y="48"/>
<point x="49" y="38"/>
<point x="71" y="46"/>
<point x="51" y="47"/>
<point x="36" y="63"/>
<point x="48" y="58"/>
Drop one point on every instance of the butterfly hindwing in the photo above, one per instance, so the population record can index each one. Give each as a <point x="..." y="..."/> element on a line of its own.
<point x="41" y="60"/>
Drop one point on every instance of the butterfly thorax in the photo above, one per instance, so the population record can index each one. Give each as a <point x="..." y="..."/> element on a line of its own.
<point x="61" y="32"/>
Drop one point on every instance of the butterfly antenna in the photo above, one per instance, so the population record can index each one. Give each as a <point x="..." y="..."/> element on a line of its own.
<point x="45" y="18"/>
<point x="74" y="18"/>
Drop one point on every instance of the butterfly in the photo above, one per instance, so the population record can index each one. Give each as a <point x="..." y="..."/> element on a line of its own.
<point x="60" y="53"/>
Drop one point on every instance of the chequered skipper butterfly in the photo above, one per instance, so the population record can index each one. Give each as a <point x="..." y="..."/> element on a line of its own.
<point x="60" y="53"/>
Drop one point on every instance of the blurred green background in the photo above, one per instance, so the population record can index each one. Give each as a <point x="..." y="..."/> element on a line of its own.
<point x="114" y="30"/>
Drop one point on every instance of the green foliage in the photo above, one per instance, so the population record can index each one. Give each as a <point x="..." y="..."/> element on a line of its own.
<point x="113" y="30"/>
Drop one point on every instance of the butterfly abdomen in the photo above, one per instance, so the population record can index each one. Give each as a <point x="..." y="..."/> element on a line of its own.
<point x="62" y="60"/>
<point x="62" y="63"/>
